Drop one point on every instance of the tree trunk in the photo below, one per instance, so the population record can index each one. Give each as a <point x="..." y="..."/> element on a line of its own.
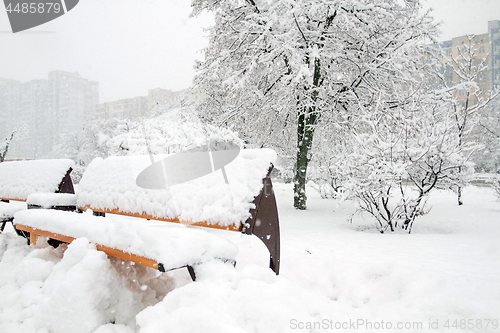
<point x="305" y="132"/>
<point x="459" y="189"/>
<point x="459" y="196"/>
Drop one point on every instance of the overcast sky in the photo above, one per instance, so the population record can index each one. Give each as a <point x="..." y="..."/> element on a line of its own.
<point x="130" y="46"/>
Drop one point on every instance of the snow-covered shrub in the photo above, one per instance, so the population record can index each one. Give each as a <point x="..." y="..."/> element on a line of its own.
<point x="487" y="131"/>
<point x="172" y="132"/>
<point x="325" y="190"/>
<point x="85" y="145"/>
<point x="328" y="161"/>
<point x="327" y="181"/>
<point x="402" y="153"/>
<point x="496" y="186"/>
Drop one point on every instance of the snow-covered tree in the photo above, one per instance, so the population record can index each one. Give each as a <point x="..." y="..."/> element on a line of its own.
<point x="488" y="159"/>
<point x="467" y="97"/>
<point x="488" y="133"/>
<point x="274" y="68"/>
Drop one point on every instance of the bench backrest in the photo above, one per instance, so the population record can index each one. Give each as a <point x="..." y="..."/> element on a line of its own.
<point x="18" y="179"/>
<point x="245" y="203"/>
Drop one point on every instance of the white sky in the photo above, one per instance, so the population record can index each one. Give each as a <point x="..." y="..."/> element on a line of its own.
<point x="461" y="17"/>
<point x="130" y="46"/>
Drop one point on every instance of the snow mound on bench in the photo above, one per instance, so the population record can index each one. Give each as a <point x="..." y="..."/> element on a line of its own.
<point x="173" y="245"/>
<point x="7" y="210"/>
<point x="18" y="179"/>
<point x="111" y="184"/>
<point x="47" y="200"/>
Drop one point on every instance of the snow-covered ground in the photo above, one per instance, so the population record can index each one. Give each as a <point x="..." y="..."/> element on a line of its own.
<point x="335" y="276"/>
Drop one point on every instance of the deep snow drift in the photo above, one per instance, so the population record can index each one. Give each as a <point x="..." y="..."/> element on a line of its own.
<point x="333" y="275"/>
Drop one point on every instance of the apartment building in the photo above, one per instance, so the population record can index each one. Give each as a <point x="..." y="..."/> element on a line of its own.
<point x="128" y="108"/>
<point x="44" y="109"/>
<point x="494" y="61"/>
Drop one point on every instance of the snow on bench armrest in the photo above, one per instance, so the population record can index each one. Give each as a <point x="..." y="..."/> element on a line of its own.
<point x="47" y="200"/>
<point x="18" y="179"/>
<point x="111" y="184"/>
<point x="172" y="245"/>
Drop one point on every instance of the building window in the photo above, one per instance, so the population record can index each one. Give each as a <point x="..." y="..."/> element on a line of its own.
<point x="481" y="49"/>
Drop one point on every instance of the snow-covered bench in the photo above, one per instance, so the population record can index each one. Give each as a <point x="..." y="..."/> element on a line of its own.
<point x="19" y="179"/>
<point x="246" y="203"/>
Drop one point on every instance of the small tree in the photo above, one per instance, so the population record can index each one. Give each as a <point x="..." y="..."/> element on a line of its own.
<point x="401" y="154"/>
<point x="5" y="144"/>
<point x="488" y="133"/>
<point x="467" y="98"/>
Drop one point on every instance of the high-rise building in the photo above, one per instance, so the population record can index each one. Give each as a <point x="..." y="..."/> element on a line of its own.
<point x="494" y="63"/>
<point x="34" y="114"/>
<point x="74" y="99"/>
<point x="44" y="109"/>
<point x="9" y="104"/>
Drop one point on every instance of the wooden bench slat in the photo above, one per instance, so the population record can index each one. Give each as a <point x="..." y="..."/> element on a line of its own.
<point x="109" y="251"/>
<point x="13" y="199"/>
<point x="151" y="217"/>
<point x="44" y="233"/>
<point x="127" y="256"/>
